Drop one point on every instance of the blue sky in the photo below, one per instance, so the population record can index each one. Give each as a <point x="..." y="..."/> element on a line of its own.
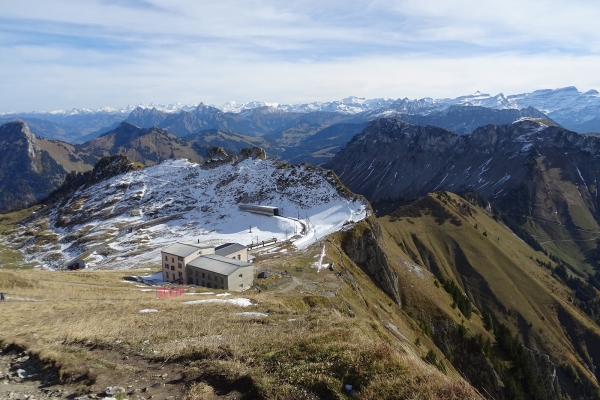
<point x="94" y="53"/>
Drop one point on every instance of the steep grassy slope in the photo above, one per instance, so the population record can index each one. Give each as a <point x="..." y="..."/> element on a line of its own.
<point x="500" y="275"/>
<point x="65" y="154"/>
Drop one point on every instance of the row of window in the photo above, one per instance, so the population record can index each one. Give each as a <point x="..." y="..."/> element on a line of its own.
<point x="168" y="277"/>
<point x="173" y="259"/>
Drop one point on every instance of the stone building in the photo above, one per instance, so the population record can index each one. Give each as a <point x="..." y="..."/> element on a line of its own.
<point x="223" y="267"/>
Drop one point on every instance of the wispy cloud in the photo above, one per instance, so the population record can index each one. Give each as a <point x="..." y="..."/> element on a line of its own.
<point x="61" y="54"/>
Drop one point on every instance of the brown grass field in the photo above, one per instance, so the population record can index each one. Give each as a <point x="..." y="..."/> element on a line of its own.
<point x="88" y="326"/>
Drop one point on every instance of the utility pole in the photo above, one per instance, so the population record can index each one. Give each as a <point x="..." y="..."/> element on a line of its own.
<point x="250" y="228"/>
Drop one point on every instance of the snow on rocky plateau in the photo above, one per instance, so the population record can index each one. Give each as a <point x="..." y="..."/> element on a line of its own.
<point x="204" y="204"/>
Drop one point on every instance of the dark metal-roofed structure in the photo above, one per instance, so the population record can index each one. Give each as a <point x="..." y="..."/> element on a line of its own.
<point x="265" y="210"/>
<point x="228" y="248"/>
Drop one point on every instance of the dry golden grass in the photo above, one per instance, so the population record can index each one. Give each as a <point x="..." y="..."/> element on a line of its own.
<point x="304" y="344"/>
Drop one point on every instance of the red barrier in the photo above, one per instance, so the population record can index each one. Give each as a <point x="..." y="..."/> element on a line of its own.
<point x="165" y="293"/>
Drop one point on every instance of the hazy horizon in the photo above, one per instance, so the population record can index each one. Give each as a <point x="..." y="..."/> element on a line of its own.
<point x="60" y="55"/>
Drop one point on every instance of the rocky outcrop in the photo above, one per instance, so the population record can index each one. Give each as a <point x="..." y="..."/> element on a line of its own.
<point x="255" y="152"/>
<point x="362" y="245"/>
<point x="217" y="156"/>
<point x="546" y="373"/>
<point x="27" y="172"/>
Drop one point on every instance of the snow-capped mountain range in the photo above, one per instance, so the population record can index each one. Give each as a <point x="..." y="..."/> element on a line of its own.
<point x="562" y="100"/>
<point x="574" y="110"/>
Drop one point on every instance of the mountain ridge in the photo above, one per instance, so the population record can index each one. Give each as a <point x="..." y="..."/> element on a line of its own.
<point x="578" y="111"/>
<point x="543" y="178"/>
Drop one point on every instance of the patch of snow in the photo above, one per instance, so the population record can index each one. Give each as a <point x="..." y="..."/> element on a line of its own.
<point x="395" y="329"/>
<point x="223" y="294"/>
<point x="252" y="314"/>
<point x="581" y="176"/>
<point x="154" y="279"/>
<point x="242" y="302"/>
<point x="148" y="310"/>
<point x="414" y="268"/>
<point x="526" y="148"/>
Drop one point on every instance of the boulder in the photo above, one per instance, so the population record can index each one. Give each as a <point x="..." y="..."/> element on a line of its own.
<point x="114" y="390"/>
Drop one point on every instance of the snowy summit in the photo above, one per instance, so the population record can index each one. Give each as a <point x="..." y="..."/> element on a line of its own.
<point x="204" y="206"/>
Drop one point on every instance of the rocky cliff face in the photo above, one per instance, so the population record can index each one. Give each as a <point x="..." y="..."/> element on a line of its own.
<point x="530" y="170"/>
<point x="392" y="158"/>
<point x="363" y="247"/>
<point x="217" y="156"/>
<point x="27" y="172"/>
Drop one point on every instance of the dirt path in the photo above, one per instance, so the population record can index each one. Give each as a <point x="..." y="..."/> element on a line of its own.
<point x="295" y="283"/>
<point x="24" y="377"/>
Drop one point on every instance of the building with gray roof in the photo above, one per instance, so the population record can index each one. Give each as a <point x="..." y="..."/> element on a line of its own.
<point x="222" y="267"/>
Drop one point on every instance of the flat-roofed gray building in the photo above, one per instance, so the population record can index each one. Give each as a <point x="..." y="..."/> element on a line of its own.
<point x="233" y="250"/>
<point x="176" y="256"/>
<point x="218" y="272"/>
<point x="210" y="266"/>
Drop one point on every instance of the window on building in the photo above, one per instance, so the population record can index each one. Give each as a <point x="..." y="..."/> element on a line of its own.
<point x="203" y="274"/>
<point x="172" y="259"/>
<point x="166" y="258"/>
<point x="180" y="274"/>
<point x="215" y="278"/>
<point x="173" y="267"/>
<point x="178" y="265"/>
<point x="167" y="266"/>
<point x="180" y="258"/>
<point x="239" y="256"/>
<point x="167" y="276"/>
<point x="196" y="272"/>
<point x="221" y="280"/>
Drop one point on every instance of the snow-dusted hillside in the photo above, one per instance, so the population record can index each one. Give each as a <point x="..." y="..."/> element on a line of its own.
<point x="205" y="203"/>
